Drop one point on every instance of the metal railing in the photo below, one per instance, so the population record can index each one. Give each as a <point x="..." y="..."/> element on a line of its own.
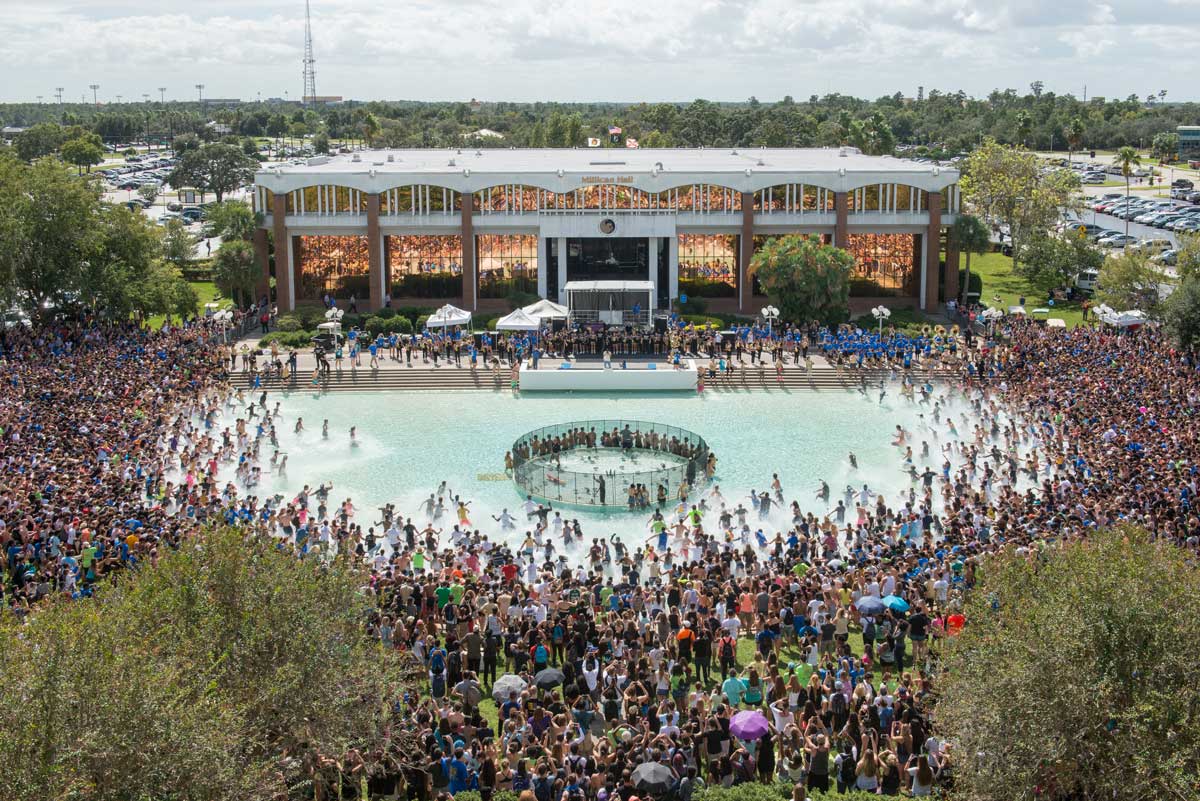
<point x="658" y="463"/>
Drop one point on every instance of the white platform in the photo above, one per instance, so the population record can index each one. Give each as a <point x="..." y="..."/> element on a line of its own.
<point x="594" y="378"/>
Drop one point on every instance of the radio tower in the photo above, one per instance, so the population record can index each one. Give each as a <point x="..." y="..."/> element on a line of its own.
<point x="310" y="63"/>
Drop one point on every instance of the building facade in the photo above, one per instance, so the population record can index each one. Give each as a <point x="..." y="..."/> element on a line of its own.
<point x="472" y="227"/>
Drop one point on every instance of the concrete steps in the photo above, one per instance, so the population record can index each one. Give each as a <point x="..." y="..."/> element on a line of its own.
<point x="462" y="379"/>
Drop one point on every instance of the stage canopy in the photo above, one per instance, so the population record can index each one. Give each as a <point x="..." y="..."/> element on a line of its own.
<point x="448" y="316"/>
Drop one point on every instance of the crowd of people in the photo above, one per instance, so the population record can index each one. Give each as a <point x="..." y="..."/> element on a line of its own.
<point x="793" y="640"/>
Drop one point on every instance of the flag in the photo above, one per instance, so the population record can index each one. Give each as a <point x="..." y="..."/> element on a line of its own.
<point x="631" y="142"/>
<point x="614" y="130"/>
<point x="593" y="141"/>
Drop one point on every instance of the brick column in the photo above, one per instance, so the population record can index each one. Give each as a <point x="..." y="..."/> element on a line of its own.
<point x="933" y="235"/>
<point x="262" y="256"/>
<point x="745" y="284"/>
<point x="374" y="253"/>
<point x="841" y="226"/>
<point x="284" y="268"/>
<point x="952" y="259"/>
<point x="470" y="279"/>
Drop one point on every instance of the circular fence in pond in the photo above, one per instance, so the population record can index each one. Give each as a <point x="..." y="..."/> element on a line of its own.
<point x="599" y="462"/>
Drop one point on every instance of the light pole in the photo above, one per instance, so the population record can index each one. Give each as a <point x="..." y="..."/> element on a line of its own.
<point x="200" y="91"/>
<point x="162" y="95"/>
<point x="119" y="99"/>
<point x="95" y="98"/>
<point x="881" y="313"/>
<point x="770" y="314"/>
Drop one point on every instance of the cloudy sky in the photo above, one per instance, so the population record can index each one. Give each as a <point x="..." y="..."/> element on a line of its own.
<point x="574" y="50"/>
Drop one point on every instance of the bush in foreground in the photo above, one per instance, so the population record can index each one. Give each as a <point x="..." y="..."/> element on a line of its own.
<point x="221" y="673"/>
<point x="1076" y="676"/>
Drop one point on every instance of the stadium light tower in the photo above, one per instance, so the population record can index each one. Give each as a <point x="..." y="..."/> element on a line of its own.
<point x="95" y="97"/>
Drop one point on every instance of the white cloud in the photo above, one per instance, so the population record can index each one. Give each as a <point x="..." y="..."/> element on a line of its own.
<point x="589" y="49"/>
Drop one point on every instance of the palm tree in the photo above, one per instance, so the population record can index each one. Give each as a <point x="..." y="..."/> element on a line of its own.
<point x="1127" y="158"/>
<point x="972" y="236"/>
<point x="1074" y="137"/>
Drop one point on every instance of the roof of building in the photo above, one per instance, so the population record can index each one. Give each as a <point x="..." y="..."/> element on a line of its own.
<point x="468" y="169"/>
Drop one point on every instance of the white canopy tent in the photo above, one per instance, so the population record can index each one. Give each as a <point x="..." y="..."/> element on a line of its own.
<point x="519" y="320"/>
<point x="546" y="310"/>
<point x="447" y="317"/>
<point x="1123" y="319"/>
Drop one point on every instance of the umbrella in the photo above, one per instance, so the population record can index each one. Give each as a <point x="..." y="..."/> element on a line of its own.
<point x="748" y="725"/>
<point x="895" y="603"/>
<point x="508" y="683"/>
<point x="870" y="605"/>
<point x="548" y="678"/>
<point x="653" y="778"/>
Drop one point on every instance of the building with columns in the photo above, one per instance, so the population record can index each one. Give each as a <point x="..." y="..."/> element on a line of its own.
<point x="470" y="227"/>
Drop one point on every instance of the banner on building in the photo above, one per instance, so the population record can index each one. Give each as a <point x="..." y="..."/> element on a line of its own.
<point x="631" y="142"/>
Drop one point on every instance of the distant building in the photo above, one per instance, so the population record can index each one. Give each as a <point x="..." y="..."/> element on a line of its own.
<point x="323" y="100"/>
<point x="9" y="132"/>
<point x="483" y="133"/>
<point x="219" y="128"/>
<point x="1189" y="141"/>
<point x="433" y="226"/>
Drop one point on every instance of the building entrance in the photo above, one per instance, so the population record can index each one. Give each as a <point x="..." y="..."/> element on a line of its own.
<point x="608" y="259"/>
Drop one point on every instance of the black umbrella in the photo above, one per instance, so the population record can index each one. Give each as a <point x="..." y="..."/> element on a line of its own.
<point x="548" y="678"/>
<point x="653" y="778"/>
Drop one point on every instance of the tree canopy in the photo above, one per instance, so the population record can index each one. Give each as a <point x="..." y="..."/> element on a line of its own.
<point x="64" y="246"/>
<point x="808" y="279"/>
<point x="217" y="168"/>
<point x="223" y="672"/>
<point x="1111" y="710"/>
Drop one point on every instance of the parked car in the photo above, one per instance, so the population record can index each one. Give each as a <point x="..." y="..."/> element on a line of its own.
<point x="1093" y="178"/>
<point x="1182" y="183"/>
<point x="1167" y="258"/>
<point x="1117" y="241"/>
<point x="1152" y="246"/>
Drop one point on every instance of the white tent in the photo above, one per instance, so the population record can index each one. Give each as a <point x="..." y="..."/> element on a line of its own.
<point x="546" y="310"/>
<point x="1125" y="319"/>
<point x="517" y="321"/>
<point x="1056" y="322"/>
<point x="448" y="316"/>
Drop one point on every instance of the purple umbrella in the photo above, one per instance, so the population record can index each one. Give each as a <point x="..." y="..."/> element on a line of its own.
<point x="748" y="725"/>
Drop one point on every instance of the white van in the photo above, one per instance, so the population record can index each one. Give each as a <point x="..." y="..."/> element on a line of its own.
<point x="1087" y="280"/>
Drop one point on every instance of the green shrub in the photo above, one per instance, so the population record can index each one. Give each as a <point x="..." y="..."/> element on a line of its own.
<point x="353" y="320"/>
<point x="310" y="316"/>
<point x="375" y="326"/>
<point x="399" y="325"/>
<point x="779" y="791"/>
<point x="705" y="288"/>
<point x="482" y="321"/>
<point x="505" y="795"/>
<point x="517" y="299"/>
<point x="428" y="285"/>
<point x="386" y="314"/>
<point x="695" y="305"/>
<point x="702" y="319"/>
<point x="288" y="322"/>
<point x="468" y="795"/>
<point x="866" y="288"/>
<point x="420" y="326"/>
<point x="274" y="336"/>
<point x="413" y="312"/>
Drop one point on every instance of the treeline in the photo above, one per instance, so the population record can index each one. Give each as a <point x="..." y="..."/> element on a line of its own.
<point x="953" y="122"/>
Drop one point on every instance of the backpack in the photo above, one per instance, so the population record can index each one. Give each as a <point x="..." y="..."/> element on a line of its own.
<point x="727" y="650"/>
<point x="540" y="654"/>
<point x="838" y="703"/>
<point x="848" y="771"/>
<point x="543" y="787"/>
<point x="437" y="662"/>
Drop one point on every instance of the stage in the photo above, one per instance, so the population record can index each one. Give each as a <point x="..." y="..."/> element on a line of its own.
<point x="591" y="376"/>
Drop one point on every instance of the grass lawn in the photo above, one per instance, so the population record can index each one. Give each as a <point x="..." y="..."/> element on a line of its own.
<point x="1001" y="289"/>
<point x="206" y="291"/>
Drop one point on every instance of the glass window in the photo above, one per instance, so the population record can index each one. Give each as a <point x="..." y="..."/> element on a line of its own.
<point x="707" y="264"/>
<point x="507" y="263"/>
<point x="424" y="266"/>
<point x="334" y="265"/>
<point x="885" y="264"/>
